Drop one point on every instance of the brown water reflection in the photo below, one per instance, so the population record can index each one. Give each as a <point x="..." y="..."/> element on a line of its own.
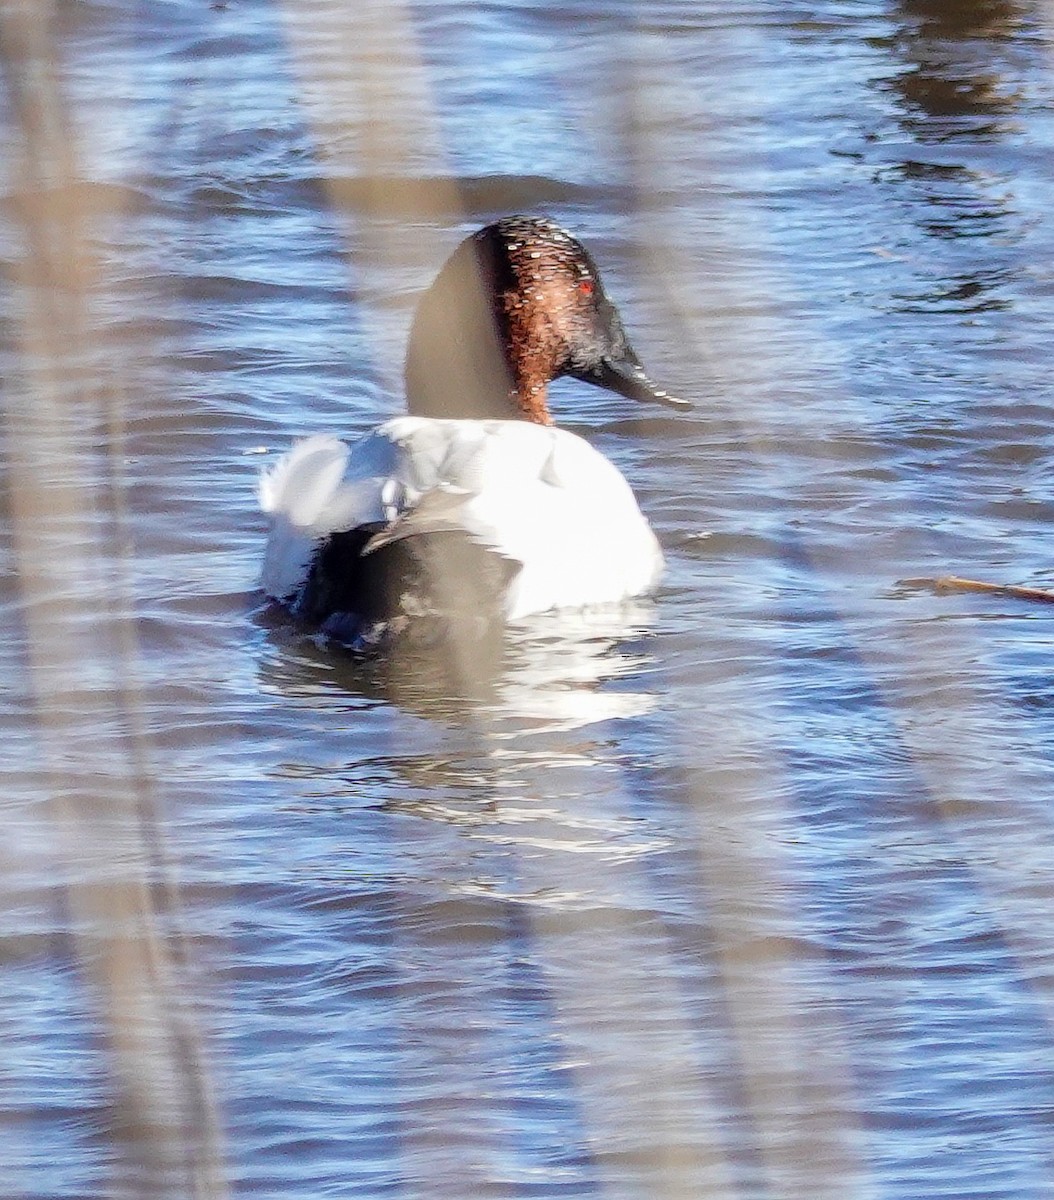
<point x="957" y="57"/>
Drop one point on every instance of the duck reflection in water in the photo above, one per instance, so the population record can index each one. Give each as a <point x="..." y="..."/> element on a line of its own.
<point x="555" y="673"/>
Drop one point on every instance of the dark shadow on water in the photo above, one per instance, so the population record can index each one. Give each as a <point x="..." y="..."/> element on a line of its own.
<point x="969" y="293"/>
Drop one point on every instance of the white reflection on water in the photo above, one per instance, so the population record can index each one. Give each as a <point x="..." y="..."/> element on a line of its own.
<point x="560" y="672"/>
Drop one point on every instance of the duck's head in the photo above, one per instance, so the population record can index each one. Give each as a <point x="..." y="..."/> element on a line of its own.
<point x="518" y="304"/>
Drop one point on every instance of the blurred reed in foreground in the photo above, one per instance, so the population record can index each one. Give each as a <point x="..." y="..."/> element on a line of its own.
<point x="62" y="425"/>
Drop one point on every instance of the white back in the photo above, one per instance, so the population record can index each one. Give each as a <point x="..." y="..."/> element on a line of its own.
<point x="537" y="495"/>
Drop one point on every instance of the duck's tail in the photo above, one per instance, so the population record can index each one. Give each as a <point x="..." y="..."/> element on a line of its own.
<point x="297" y="492"/>
<point x="302" y="483"/>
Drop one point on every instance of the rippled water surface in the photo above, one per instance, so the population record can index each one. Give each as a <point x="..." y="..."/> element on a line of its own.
<point x="746" y="893"/>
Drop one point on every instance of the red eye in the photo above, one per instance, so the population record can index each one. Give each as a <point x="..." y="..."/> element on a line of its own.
<point x="585" y="286"/>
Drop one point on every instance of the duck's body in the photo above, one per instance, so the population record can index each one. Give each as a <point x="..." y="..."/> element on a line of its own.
<point x="468" y="508"/>
<point x="556" y="513"/>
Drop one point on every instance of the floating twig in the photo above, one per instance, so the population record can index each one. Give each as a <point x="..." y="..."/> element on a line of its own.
<point x="953" y="583"/>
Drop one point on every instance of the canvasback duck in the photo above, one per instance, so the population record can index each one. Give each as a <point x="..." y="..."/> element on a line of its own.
<point x="475" y="501"/>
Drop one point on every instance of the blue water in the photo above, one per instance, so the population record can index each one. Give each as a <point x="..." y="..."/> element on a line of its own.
<point x="745" y="894"/>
